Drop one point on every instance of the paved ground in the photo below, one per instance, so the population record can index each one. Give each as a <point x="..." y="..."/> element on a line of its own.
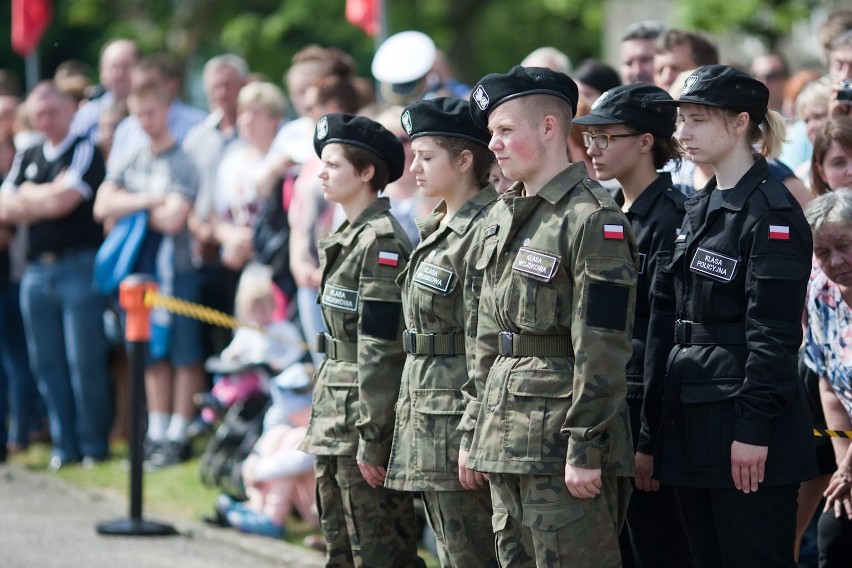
<point x="47" y="523"/>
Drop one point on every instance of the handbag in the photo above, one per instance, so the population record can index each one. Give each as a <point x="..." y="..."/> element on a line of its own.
<point x="117" y="255"/>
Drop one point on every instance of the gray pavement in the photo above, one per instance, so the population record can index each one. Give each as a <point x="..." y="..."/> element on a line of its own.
<point x="46" y="522"/>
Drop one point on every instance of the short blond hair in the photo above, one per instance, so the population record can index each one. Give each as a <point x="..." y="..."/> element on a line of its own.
<point x="256" y="285"/>
<point x="265" y="94"/>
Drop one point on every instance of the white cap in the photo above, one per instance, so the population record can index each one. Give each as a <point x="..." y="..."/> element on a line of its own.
<point x="404" y="57"/>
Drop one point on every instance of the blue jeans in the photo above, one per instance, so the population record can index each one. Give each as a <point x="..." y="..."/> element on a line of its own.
<point x="24" y="401"/>
<point x="63" y="319"/>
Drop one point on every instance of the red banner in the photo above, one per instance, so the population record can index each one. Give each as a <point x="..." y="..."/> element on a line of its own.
<point x="29" y="20"/>
<point x="364" y="14"/>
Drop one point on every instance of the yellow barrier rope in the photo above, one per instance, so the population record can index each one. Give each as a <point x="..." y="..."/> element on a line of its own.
<point x="210" y="316"/>
<point x="215" y="317"/>
<point x="823" y="433"/>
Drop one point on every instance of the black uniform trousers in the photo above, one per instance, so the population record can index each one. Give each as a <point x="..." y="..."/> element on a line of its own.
<point x="835" y="541"/>
<point x="727" y="528"/>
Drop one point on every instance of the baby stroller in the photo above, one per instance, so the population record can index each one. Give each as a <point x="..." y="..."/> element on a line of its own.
<point x="239" y="427"/>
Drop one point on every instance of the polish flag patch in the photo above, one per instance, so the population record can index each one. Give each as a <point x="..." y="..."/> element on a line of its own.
<point x="388" y="258"/>
<point x="614" y="232"/>
<point x="779" y="232"/>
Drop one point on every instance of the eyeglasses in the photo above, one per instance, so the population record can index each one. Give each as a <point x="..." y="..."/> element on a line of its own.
<point x="602" y="140"/>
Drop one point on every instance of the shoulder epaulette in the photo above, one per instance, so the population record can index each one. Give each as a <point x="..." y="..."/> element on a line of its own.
<point x="382" y="226"/>
<point x="777" y="196"/>
<point x="602" y="195"/>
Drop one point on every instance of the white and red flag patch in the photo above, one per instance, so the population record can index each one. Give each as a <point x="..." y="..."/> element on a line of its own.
<point x="614" y="232"/>
<point x="388" y="258"/>
<point x="779" y="232"/>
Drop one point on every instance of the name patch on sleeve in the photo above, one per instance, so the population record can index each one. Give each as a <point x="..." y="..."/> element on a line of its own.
<point x="539" y="265"/>
<point x="433" y="277"/>
<point x="713" y="264"/>
<point x="340" y="298"/>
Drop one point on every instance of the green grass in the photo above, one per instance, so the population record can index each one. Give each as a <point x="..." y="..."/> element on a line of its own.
<point x="175" y="491"/>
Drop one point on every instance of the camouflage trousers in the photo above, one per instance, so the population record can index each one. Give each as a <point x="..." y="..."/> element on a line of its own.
<point x="363" y="526"/>
<point x="538" y="523"/>
<point x="461" y="521"/>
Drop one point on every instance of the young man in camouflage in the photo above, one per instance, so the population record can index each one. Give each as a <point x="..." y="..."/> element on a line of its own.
<point x="546" y="416"/>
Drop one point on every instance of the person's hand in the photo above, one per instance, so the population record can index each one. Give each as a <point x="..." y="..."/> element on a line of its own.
<point x="644" y="468"/>
<point x="583" y="483"/>
<point x="315" y="278"/>
<point x="838" y="495"/>
<point x="470" y="479"/>
<point x="748" y="465"/>
<point x="838" y="108"/>
<point x="373" y="474"/>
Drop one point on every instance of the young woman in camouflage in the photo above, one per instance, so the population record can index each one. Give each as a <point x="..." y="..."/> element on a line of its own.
<point x="440" y="292"/>
<point x="629" y="140"/>
<point x="355" y="388"/>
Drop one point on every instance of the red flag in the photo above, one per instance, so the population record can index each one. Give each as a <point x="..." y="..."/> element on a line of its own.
<point x="29" y="20"/>
<point x="364" y="14"/>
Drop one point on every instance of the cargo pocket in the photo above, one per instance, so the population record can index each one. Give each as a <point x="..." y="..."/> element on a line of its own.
<point x="546" y="522"/>
<point x="339" y="408"/>
<point x="437" y="414"/>
<point x="327" y="507"/>
<point x="535" y="410"/>
<point x="709" y="420"/>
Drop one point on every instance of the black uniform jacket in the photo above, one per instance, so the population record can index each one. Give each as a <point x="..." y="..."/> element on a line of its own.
<point x="655" y="218"/>
<point x="741" y="273"/>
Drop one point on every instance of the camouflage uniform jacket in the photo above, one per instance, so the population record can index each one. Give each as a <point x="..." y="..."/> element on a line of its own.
<point x="440" y="293"/>
<point x="560" y="263"/>
<point x="353" y="406"/>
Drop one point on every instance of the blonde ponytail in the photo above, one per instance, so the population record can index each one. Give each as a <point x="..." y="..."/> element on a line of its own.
<point x="773" y="135"/>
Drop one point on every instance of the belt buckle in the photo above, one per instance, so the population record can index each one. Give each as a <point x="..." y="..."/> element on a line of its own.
<point x="683" y="332"/>
<point x="505" y="339"/>
<point x="408" y="341"/>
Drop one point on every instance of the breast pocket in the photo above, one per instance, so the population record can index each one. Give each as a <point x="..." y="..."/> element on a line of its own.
<point x="534" y="412"/>
<point x="434" y="290"/>
<point x="437" y="413"/>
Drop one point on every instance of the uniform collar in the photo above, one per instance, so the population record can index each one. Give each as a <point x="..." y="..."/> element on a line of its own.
<point x="736" y="197"/>
<point x="557" y="188"/>
<point x="347" y="232"/>
<point x="645" y="202"/>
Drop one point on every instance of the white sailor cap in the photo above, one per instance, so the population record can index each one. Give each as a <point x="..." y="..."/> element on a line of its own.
<point x="404" y="58"/>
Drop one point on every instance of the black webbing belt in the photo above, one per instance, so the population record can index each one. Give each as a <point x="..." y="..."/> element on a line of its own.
<point x="433" y="343"/>
<point x="694" y="333"/>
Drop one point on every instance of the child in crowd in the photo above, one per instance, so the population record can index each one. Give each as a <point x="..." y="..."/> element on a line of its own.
<point x="272" y="345"/>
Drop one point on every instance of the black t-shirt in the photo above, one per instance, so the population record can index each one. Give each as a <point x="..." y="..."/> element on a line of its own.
<point x="78" y="229"/>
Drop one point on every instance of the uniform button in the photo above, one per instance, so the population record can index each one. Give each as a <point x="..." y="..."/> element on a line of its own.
<point x="526" y="242"/>
<point x="683" y="350"/>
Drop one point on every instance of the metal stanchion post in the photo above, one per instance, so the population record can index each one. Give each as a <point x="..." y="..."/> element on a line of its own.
<point x="138" y="334"/>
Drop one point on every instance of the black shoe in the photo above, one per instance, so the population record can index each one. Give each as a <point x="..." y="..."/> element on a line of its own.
<point x="171" y="453"/>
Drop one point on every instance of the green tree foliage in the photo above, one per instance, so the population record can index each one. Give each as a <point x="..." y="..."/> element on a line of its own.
<point x="478" y="36"/>
<point x="769" y="20"/>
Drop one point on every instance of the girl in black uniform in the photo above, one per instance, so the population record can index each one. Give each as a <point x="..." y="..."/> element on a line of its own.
<point x="629" y="139"/>
<point x="734" y="433"/>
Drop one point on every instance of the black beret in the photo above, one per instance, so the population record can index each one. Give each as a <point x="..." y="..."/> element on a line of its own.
<point x="728" y="88"/>
<point x="496" y="88"/>
<point x="444" y="116"/>
<point x="339" y="128"/>
<point x="637" y="106"/>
